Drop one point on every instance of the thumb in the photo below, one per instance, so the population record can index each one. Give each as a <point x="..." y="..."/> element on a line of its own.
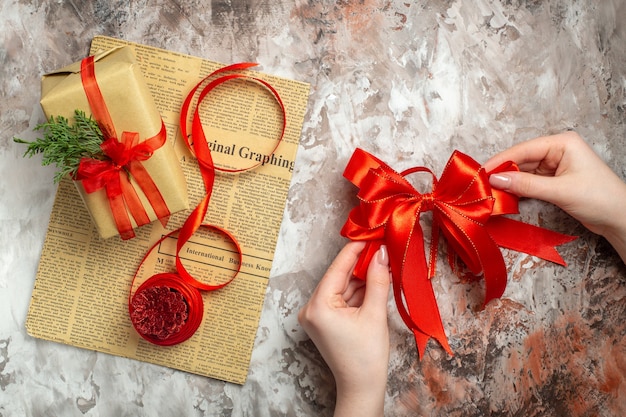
<point x="377" y="281"/>
<point x="528" y="185"/>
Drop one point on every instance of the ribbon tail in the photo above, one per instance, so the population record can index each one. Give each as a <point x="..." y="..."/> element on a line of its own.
<point x="151" y="191"/>
<point x="493" y="266"/>
<point x="527" y="238"/>
<point x="114" y="191"/>
<point x="478" y="250"/>
<point x="132" y="201"/>
<point x="421" y="300"/>
<point x="412" y="286"/>
<point x="421" y="341"/>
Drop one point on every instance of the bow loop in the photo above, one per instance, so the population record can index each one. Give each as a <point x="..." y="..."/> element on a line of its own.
<point x="385" y="194"/>
<point x="505" y="203"/>
<point x="95" y="174"/>
<point x="381" y="183"/>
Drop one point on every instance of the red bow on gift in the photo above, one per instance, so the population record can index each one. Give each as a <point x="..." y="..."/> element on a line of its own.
<point x="112" y="174"/>
<point x="125" y="156"/>
<point x="464" y="208"/>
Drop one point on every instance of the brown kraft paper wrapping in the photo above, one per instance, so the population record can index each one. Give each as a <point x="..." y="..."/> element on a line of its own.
<point x="132" y="109"/>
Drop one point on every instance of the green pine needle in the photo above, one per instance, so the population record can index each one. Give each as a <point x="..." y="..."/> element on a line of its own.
<point x="65" y="145"/>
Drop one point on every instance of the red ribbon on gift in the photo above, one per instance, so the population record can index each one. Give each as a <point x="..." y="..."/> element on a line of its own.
<point x="464" y="208"/>
<point x="124" y="159"/>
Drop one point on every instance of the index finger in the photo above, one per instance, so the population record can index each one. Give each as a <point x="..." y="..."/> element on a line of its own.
<point x="527" y="155"/>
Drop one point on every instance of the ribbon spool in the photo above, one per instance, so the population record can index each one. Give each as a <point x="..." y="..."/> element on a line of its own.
<point x="157" y="302"/>
<point x="166" y="310"/>
<point x="153" y="315"/>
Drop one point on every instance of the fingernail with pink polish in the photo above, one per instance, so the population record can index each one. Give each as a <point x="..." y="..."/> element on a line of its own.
<point x="500" y="181"/>
<point x="383" y="255"/>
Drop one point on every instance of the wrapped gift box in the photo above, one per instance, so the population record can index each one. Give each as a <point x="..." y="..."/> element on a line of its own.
<point x="132" y="109"/>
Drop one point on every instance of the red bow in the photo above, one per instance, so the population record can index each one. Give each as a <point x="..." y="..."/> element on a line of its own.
<point x="465" y="209"/>
<point x="113" y="175"/>
<point x="124" y="159"/>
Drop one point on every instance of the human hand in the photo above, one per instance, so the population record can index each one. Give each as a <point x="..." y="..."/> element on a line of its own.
<point x="347" y="320"/>
<point x="562" y="169"/>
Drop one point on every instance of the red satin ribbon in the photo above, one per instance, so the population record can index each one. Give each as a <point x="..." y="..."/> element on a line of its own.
<point x="464" y="208"/>
<point x="125" y="158"/>
<point x="200" y="148"/>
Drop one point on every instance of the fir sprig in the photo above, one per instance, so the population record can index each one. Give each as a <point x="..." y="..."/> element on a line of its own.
<point x="65" y="145"/>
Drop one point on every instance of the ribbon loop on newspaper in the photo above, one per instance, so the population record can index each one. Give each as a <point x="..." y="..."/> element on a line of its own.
<point x="200" y="148"/>
<point x="465" y="209"/>
<point x="124" y="160"/>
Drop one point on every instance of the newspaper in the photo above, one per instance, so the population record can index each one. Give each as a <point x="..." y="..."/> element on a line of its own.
<point x="83" y="282"/>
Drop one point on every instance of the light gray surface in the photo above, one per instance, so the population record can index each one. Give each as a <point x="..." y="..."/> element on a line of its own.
<point x="409" y="81"/>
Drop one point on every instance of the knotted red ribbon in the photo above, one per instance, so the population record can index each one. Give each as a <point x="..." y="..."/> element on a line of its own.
<point x="464" y="208"/>
<point x="124" y="160"/>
